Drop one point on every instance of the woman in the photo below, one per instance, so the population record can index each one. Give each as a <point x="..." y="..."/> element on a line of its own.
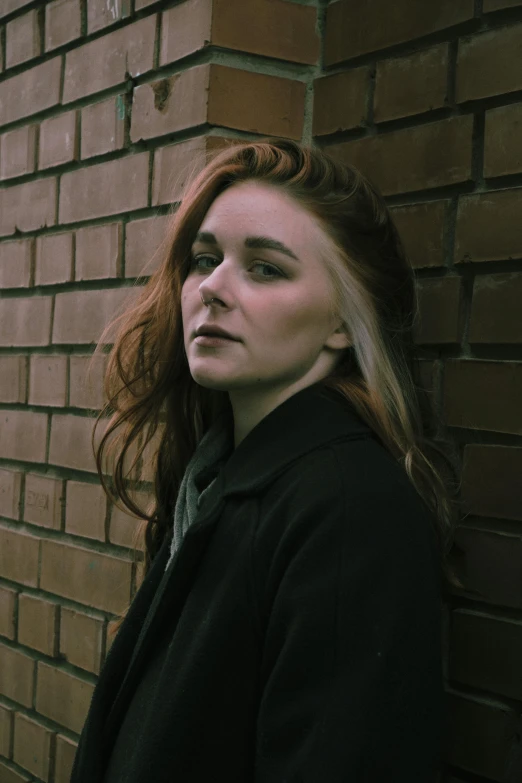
<point x="289" y="624"/>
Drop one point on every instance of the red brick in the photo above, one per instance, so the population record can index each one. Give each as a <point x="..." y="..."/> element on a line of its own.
<point x="102" y="13"/>
<point x="98" y="251"/>
<point x="23" y="39"/>
<point x="85" y="576"/>
<point x="71" y="442"/>
<point x="18" y="152"/>
<point x="85" y="510"/>
<point x="86" y="374"/>
<point x="31" y="91"/>
<point x="54" y="254"/>
<point x="28" y="207"/>
<point x="13" y="378"/>
<point x="421" y="227"/>
<point x="25" y="321"/>
<point x="358" y="28"/>
<point x="63" y="23"/>
<point x="491" y="484"/>
<point x="32" y="746"/>
<point x="62" y="697"/>
<point x="123" y="526"/>
<point x="103" y="127"/>
<point x="23" y="435"/>
<point x="107" y="61"/>
<point x="439" y="305"/>
<point x="495" y="309"/>
<point x="7" y="629"/>
<point x="469" y="387"/>
<point x="340" y="101"/>
<point x="81" y="638"/>
<point x="105" y="189"/>
<point x="65" y="753"/>
<point x="490" y="566"/>
<point x="10" y="487"/>
<point x="429" y="156"/>
<point x="37" y="623"/>
<point x="8" y="6"/>
<point x="16" y="263"/>
<point x="187" y="28"/>
<point x="80" y="316"/>
<point x="411" y="85"/>
<point x="19" y="557"/>
<point x="502" y="148"/>
<point x="6" y="730"/>
<point x="47" y="380"/>
<point x="44" y="499"/>
<point x="59" y="140"/>
<point x="489" y="226"/>
<point x="144" y="245"/>
<point x="485" y="63"/>
<point x="9" y="775"/>
<point x="16" y="675"/>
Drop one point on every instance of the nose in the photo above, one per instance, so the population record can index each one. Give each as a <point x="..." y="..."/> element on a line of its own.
<point x="215" y="286"/>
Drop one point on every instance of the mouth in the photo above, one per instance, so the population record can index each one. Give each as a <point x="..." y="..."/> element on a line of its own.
<point x="213" y="340"/>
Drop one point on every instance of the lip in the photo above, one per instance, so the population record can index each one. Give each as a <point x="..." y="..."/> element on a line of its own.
<point x="213" y="340"/>
<point x="216" y="331"/>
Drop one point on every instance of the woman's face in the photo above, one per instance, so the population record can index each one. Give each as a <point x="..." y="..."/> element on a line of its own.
<point x="258" y="254"/>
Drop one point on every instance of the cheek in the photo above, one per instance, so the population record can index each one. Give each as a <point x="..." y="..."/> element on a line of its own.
<point x="294" y="316"/>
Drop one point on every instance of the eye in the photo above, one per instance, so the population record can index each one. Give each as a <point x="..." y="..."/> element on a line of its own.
<point x="273" y="271"/>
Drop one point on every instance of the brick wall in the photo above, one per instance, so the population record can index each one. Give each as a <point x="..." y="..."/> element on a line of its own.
<point x="104" y="105"/>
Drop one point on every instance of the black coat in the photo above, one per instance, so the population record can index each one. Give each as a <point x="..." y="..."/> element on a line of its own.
<point x="296" y="638"/>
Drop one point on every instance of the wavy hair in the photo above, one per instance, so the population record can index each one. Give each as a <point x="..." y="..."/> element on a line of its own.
<point x="157" y="413"/>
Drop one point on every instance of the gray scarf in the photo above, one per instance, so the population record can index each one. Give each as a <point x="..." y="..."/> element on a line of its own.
<point x="211" y="453"/>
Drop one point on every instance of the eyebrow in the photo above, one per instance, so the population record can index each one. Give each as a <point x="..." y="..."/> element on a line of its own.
<point x="256" y="242"/>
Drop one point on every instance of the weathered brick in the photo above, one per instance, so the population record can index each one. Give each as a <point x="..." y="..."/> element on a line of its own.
<point x="13" y="378"/>
<point x="23" y="435"/>
<point x="27" y="207"/>
<point x="485" y="652"/>
<point x="502" y="148"/>
<point x="103" y="127"/>
<point x="44" y="499"/>
<point x="357" y="28"/>
<point x="19" y="557"/>
<point x="489" y="226"/>
<point x="64" y="759"/>
<point x="80" y="316"/>
<point x="490" y="565"/>
<point x="480" y="735"/>
<point x="439" y="305"/>
<point x="101" y="13"/>
<point x="63" y="23"/>
<point x="469" y="387"/>
<point x="485" y="64"/>
<point x="37" y="623"/>
<point x="16" y="675"/>
<point x="105" y="189"/>
<point x="32" y="746"/>
<point x="340" y="101"/>
<point x="86" y="374"/>
<point x="98" y="251"/>
<point x="107" y="61"/>
<point x="421" y="227"/>
<point x="31" y="91"/>
<point x="187" y="28"/>
<point x="495" y="309"/>
<point x="25" y="321"/>
<point x="10" y="488"/>
<point x="71" y="442"/>
<point x="411" y="85"/>
<point x="62" y="697"/>
<point x="22" y="39"/>
<point x="429" y="156"/>
<point x="144" y="245"/>
<point x="18" y="152"/>
<point x="139" y="4"/>
<point x="8" y="6"/>
<point x="491" y="484"/>
<point x="123" y="526"/>
<point x="16" y="263"/>
<point x="54" y="254"/>
<point x="10" y="775"/>
<point x="81" y="639"/>
<point x="99" y="581"/>
<point x="7" y="629"/>
<point x="48" y="380"/>
<point x="85" y="510"/>
<point x="6" y="730"/>
<point x="59" y="140"/>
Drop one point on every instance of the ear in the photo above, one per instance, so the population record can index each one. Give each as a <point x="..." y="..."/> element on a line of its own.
<point x="338" y="339"/>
